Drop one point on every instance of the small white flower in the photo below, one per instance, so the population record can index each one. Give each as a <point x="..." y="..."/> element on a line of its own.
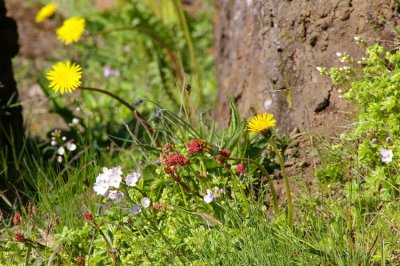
<point x="59" y="159"/>
<point x="64" y="138"/>
<point x="75" y="121"/>
<point x="319" y="69"/>
<point x="101" y="186"/>
<point x="114" y="176"/>
<point x="61" y="150"/>
<point x="338" y="54"/>
<point x="71" y="146"/>
<point x="136" y="209"/>
<point x="357" y="38"/>
<point x="114" y="194"/>
<point x="115" y="180"/>
<point x="209" y="197"/>
<point x="131" y="180"/>
<point x="53" y="143"/>
<point x="387" y="155"/>
<point x="145" y="202"/>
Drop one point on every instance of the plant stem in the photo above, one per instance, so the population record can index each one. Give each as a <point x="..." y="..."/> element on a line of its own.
<point x="189" y="42"/>
<point x="137" y="114"/>
<point x="269" y="179"/>
<point x="287" y="185"/>
<point x="109" y="245"/>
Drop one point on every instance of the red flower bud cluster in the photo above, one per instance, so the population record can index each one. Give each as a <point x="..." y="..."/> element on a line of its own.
<point x="221" y="157"/>
<point x="89" y="217"/>
<point x="16" y="218"/>
<point x="80" y="260"/>
<point x="168" y="147"/>
<point x="176" y="159"/>
<point x="240" y="168"/>
<point x="159" y="206"/>
<point x="19" y="237"/>
<point x="197" y="146"/>
<point x="225" y="152"/>
<point x="169" y="170"/>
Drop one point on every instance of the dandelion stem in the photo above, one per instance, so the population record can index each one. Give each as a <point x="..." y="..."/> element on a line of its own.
<point x="137" y="114"/>
<point x="267" y="175"/>
<point x="287" y="185"/>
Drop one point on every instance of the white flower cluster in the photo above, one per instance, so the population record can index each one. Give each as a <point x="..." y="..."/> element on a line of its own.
<point x="358" y="40"/>
<point x="110" y="179"/>
<point x="64" y="144"/>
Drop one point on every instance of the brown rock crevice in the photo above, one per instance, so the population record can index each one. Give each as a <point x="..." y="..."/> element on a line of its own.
<point x="268" y="51"/>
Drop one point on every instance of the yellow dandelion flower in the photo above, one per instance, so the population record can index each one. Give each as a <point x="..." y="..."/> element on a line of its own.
<point x="65" y="77"/>
<point x="261" y="123"/>
<point x="71" y="30"/>
<point x="45" y="12"/>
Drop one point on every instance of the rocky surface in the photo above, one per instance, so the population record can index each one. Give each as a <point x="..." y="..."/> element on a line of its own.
<point x="268" y="51"/>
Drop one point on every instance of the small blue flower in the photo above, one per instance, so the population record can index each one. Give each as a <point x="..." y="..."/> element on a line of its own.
<point x="136" y="209"/>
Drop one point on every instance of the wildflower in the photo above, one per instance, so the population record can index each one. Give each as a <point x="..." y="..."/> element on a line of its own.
<point x="374" y="140"/>
<point x="387" y="155"/>
<point x="45" y="12"/>
<point x="220" y="159"/>
<point x="168" y="147"/>
<point x="240" y="169"/>
<point x="135" y="209"/>
<point x="169" y="170"/>
<point x="114" y="194"/>
<point x="225" y="152"/>
<point x="261" y="123"/>
<point x="114" y="176"/>
<point x="16" y="218"/>
<point x="159" y="206"/>
<point x="71" y="30"/>
<point x="196" y="146"/>
<point x="88" y="217"/>
<point x="59" y="159"/>
<point x="388" y="139"/>
<point x="108" y="72"/>
<point x="65" y="77"/>
<point x="131" y="180"/>
<point x="71" y="146"/>
<point x="145" y="202"/>
<point x="61" y="151"/>
<point x="176" y="159"/>
<point x="101" y="186"/>
<point x="19" y="237"/>
<point x="75" y="120"/>
<point x="210" y="196"/>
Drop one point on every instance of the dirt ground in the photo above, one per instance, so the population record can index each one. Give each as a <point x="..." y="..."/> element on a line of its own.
<point x="38" y="44"/>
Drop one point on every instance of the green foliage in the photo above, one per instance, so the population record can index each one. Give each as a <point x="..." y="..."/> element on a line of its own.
<point x="372" y="85"/>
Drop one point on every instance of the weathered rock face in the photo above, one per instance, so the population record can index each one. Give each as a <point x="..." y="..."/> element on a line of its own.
<point x="268" y="51"/>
